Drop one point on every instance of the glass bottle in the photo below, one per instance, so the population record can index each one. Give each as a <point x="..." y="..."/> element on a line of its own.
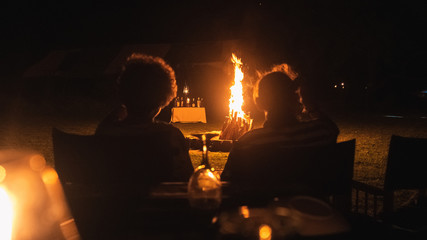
<point x="198" y="102"/>
<point x="177" y="102"/>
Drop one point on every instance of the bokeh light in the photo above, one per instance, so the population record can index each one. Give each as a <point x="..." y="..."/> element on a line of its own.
<point x="50" y="176"/>
<point x="6" y="215"/>
<point x="37" y="162"/>
<point x="2" y="173"/>
<point x="264" y="232"/>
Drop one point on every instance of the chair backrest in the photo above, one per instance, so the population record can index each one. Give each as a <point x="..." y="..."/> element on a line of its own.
<point x="407" y="164"/>
<point x="104" y="176"/>
<point x="97" y="159"/>
<point x="320" y="170"/>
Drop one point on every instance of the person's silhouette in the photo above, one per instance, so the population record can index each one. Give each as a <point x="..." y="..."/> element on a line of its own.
<point x="287" y="122"/>
<point x="146" y="85"/>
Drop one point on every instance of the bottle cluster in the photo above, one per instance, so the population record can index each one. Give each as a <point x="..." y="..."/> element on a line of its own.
<point x="188" y="102"/>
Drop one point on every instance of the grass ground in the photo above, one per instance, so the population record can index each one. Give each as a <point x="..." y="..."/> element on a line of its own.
<point x="24" y="125"/>
<point x="372" y="133"/>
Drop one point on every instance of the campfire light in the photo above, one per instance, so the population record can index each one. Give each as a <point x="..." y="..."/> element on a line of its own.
<point x="238" y="121"/>
<point x="236" y="99"/>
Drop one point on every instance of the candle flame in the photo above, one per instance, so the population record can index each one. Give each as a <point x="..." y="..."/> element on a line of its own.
<point x="185" y="90"/>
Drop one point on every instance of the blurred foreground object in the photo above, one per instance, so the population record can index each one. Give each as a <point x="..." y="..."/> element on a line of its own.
<point x="204" y="189"/>
<point x="32" y="202"/>
<point x="296" y="217"/>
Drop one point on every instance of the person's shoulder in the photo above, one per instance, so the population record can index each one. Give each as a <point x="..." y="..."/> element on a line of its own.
<point x="164" y="126"/>
<point x="254" y="135"/>
<point x="318" y="118"/>
<point x="112" y="121"/>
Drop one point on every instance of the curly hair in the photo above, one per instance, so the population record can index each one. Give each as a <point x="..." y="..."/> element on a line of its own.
<point x="146" y="83"/>
<point x="277" y="88"/>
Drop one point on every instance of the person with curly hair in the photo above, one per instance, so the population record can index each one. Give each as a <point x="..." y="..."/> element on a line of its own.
<point x="145" y="86"/>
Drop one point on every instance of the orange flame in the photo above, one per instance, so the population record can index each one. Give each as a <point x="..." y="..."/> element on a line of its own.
<point x="236" y="98"/>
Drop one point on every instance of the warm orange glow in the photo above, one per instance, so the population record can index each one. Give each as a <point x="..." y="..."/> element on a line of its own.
<point x="2" y="173"/>
<point x="69" y="229"/>
<point x="207" y="180"/>
<point x="238" y="122"/>
<point x="244" y="211"/>
<point x="236" y="98"/>
<point x="286" y="69"/>
<point x="50" y="176"/>
<point x="37" y="162"/>
<point x="186" y="90"/>
<point x="211" y="175"/>
<point x="6" y="215"/>
<point x="32" y="201"/>
<point x="265" y="232"/>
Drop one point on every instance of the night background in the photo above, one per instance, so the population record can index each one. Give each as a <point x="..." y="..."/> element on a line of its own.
<point x="364" y="63"/>
<point x="55" y="50"/>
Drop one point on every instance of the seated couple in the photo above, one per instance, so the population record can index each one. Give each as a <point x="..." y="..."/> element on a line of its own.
<point x="147" y="84"/>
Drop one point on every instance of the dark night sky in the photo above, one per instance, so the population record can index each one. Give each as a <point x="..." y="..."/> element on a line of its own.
<point x="359" y="41"/>
<point x="51" y="24"/>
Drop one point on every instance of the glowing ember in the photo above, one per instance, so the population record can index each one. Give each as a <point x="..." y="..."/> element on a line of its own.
<point x="236" y="99"/>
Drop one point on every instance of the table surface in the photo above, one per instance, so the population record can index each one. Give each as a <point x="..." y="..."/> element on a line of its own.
<point x="167" y="214"/>
<point x="337" y="226"/>
<point x="188" y="114"/>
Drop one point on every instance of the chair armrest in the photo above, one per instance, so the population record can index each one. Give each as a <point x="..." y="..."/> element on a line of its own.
<point x="360" y="186"/>
<point x="369" y="203"/>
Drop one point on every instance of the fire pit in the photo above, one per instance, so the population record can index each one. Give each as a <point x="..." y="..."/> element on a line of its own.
<point x="214" y="145"/>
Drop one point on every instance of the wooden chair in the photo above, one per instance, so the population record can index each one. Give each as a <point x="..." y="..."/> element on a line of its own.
<point x="104" y="177"/>
<point x="269" y="171"/>
<point x="406" y="170"/>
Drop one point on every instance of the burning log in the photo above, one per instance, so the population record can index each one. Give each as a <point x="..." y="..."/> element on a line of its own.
<point x="235" y="127"/>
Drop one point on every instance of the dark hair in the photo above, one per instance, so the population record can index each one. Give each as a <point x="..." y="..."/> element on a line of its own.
<point x="277" y="89"/>
<point x="146" y="83"/>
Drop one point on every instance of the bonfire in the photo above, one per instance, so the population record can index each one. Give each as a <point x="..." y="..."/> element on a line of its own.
<point x="237" y="122"/>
